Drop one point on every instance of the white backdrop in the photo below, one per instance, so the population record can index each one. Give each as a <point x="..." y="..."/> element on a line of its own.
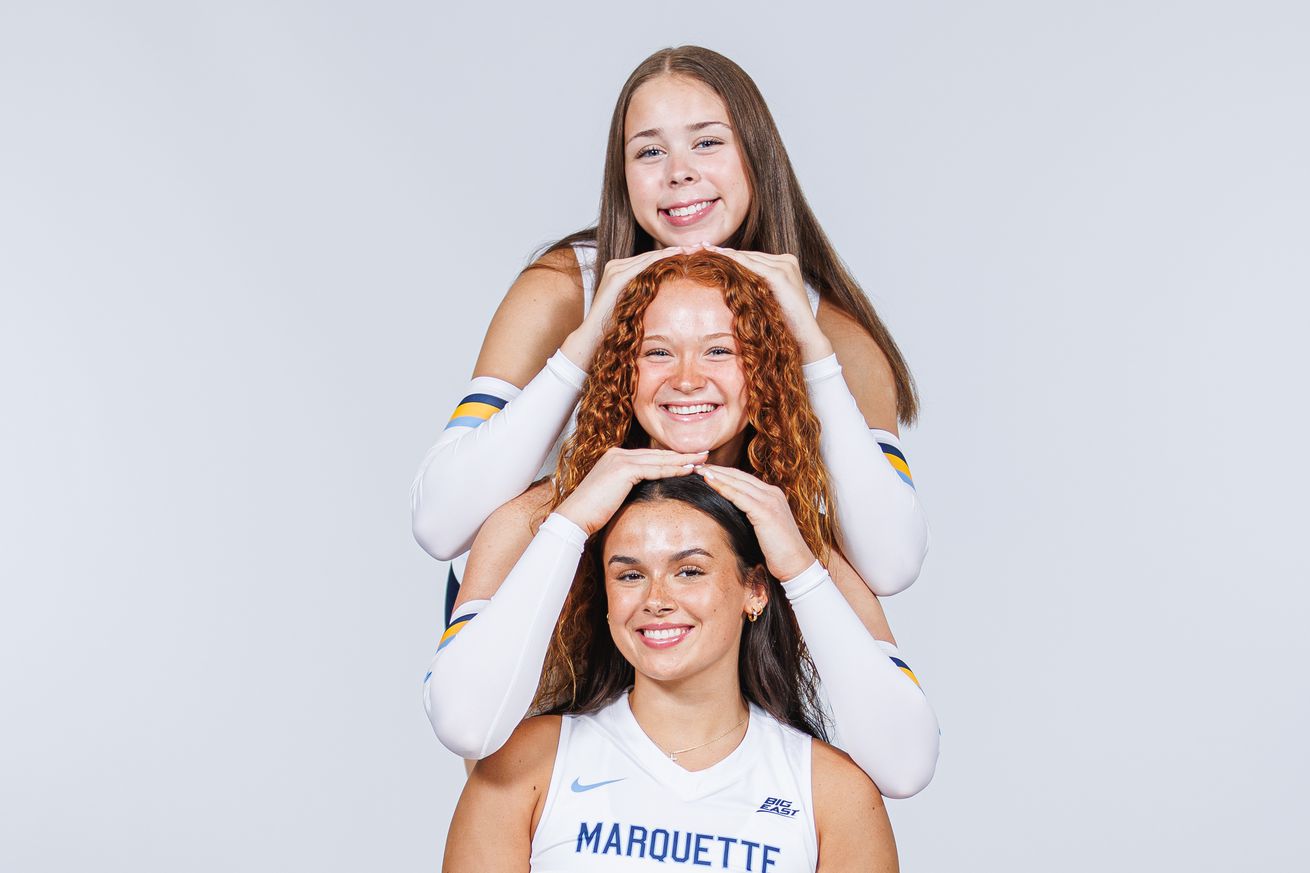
<point x="247" y="253"/>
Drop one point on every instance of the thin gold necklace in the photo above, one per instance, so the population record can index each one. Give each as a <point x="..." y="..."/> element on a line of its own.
<point x="673" y="756"/>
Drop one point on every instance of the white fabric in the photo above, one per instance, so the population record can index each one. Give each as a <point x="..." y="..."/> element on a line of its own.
<point x="482" y="684"/>
<point x="613" y="788"/>
<point x="890" y="728"/>
<point x="469" y="473"/>
<point x="883" y="529"/>
<point x="586" y="255"/>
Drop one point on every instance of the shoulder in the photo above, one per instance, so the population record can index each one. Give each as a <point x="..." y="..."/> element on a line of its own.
<point x="552" y="282"/>
<point x="838" y="780"/>
<point x="868" y="373"/>
<point x="855" y="348"/>
<point x="527" y="758"/>
<point x="540" y="309"/>
<point x="850" y="816"/>
<point x="497" y="812"/>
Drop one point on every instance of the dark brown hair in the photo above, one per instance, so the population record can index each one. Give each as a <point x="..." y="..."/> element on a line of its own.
<point x="774" y="668"/>
<point x="779" y="220"/>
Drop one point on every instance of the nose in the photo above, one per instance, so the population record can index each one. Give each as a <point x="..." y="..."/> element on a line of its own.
<point x="689" y="376"/>
<point x="658" y="601"/>
<point x="682" y="171"/>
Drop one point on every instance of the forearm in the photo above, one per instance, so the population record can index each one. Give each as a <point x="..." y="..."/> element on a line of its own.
<point x="484" y="676"/>
<point x="478" y="465"/>
<point x="884" y="532"/>
<point x="886" y="723"/>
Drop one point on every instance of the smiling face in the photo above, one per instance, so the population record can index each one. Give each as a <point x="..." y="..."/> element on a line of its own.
<point x="686" y="180"/>
<point x="691" y="387"/>
<point x="675" y="592"/>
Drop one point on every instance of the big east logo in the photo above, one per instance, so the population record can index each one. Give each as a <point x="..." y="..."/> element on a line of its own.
<point x="778" y="806"/>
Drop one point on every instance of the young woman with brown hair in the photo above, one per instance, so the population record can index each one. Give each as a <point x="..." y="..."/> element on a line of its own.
<point x="693" y="734"/>
<point x="693" y="158"/>
<point x="698" y="354"/>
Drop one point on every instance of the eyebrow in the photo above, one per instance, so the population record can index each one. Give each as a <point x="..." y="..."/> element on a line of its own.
<point x="659" y="337"/>
<point x="655" y="131"/>
<point x="684" y="554"/>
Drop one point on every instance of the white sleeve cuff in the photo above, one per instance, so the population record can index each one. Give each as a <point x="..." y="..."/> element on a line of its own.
<point x="821" y="370"/>
<point x="565" y="530"/>
<point x="806" y="582"/>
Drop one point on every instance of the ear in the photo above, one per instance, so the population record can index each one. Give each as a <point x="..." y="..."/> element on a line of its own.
<point x="757" y="589"/>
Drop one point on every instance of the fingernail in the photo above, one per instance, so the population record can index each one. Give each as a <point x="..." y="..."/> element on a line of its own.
<point x="689" y="466"/>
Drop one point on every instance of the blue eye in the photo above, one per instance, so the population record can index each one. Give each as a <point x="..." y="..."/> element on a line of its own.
<point x="648" y="151"/>
<point x="652" y="353"/>
<point x="709" y="141"/>
<point x="720" y="351"/>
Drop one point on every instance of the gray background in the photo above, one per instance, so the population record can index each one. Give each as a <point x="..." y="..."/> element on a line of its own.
<point x="247" y="254"/>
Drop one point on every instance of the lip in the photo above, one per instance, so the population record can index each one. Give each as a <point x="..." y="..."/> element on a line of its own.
<point x="664" y="644"/>
<point x="694" y="218"/>
<point x="691" y="417"/>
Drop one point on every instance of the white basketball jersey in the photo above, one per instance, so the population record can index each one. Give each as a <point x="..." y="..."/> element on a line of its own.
<point x="617" y="803"/>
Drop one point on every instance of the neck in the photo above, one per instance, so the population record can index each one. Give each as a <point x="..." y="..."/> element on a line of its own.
<point x="728" y="454"/>
<point x="685" y="713"/>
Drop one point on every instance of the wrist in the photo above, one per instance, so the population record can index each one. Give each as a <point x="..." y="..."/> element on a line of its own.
<point x="566" y="529"/>
<point x="814" y="344"/>
<point x="580" y="345"/>
<point x="795" y="566"/>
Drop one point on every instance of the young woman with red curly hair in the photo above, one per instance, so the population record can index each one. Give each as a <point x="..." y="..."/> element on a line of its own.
<point x="694" y="158"/>
<point x="698" y="372"/>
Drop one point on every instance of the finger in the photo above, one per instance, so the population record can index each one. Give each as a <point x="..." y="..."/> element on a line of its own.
<point x="734" y="492"/>
<point x="666" y="455"/>
<point x="666" y="471"/>
<point x="741" y="477"/>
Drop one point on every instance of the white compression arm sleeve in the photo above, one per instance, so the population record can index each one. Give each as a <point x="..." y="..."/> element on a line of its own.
<point x="484" y="676"/>
<point x="884" y="533"/>
<point x="885" y="721"/>
<point x="472" y="471"/>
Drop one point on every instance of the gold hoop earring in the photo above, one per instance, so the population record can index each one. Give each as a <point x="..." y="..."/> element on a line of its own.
<point x="752" y="616"/>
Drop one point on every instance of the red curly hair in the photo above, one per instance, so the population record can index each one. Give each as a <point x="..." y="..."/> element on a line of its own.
<point x="782" y="435"/>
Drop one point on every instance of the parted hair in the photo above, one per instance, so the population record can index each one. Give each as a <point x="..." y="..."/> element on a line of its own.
<point x="779" y="220"/>
<point x="781" y="441"/>
<point x="774" y="669"/>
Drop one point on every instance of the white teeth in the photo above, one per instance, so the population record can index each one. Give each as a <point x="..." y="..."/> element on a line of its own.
<point x="664" y="633"/>
<point x="691" y="410"/>
<point x="683" y="211"/>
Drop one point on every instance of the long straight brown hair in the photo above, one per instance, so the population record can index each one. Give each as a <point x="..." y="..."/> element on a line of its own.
<point x="779" y="220"/>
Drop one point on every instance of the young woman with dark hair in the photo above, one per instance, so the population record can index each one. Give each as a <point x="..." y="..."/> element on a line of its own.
<point x="693" y="733"/>
<point x="693" y="159"/>
<point x="697" y="354"/>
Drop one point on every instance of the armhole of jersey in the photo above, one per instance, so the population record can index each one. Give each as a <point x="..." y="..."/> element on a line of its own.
<point x="808" y="780"/>
<point x="556" y="777"/>
<point x="586" y="255"/>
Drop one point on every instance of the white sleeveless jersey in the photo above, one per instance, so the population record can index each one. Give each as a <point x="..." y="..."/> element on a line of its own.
<point x="617" y="803"/>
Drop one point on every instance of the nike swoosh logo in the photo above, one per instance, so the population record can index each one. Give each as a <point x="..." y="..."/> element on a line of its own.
<point x="578" y="787"/>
